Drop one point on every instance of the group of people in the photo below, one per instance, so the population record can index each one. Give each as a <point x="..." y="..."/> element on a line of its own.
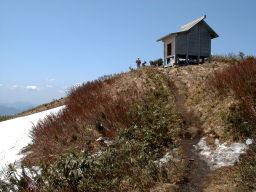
<point x="138" y="63"/>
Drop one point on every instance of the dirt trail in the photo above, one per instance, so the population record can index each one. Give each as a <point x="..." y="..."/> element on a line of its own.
<point x="197" y="169"/>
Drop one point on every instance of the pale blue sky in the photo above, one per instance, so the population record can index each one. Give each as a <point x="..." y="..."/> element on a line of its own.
<point x="49" y="45"/>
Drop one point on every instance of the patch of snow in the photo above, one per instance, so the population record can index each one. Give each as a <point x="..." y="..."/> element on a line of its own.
<point x="15" y="135"/>
<point x="220" y="155"/>
<point x="31" y="173"/>
<point x="166" y="158"/>
<point x="105" y="140"/>
<point x="249" y="141"/>
<point x="97" y="154"/>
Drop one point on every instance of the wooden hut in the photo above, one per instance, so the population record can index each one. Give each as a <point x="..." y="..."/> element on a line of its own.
<point x="191" y="44"/>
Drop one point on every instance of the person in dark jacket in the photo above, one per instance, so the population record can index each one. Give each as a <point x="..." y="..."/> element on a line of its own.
<point x="138" y="62"/>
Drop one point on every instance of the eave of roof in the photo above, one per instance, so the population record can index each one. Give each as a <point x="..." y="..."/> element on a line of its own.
<point x="212" y="32"/>
<point x="169" y="35"/>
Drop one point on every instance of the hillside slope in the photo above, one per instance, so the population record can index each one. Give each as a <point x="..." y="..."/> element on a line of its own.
<point x="137" y="131"/>
<point x="203" y="110"/>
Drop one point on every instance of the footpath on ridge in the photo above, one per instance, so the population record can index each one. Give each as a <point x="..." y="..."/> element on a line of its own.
<point x="186" y="80"/>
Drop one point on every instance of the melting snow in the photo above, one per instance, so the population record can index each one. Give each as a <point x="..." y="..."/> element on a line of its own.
<point x="248" y="141"/>
<point x="221" y="155"/>
<point x="166" y="158"/>
<point x="105" y="140"/>
<point x="15" y="135"/>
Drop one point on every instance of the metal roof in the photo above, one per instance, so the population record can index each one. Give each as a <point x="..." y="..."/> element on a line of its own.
<point x="188" y="26"/>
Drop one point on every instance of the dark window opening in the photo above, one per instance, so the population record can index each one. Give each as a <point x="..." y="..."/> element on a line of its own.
<point x="169" y="49"/>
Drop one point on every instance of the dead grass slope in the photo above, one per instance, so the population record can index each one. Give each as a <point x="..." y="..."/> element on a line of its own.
<point x="221" y="96"/>
<point x="93" y="109"/>
<point x="205" y="111"/>
<point x="137" y="109"/>
<point x="192" y="82"/>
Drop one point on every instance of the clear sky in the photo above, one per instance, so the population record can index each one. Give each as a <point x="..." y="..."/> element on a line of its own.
<point x="48" y="45"/>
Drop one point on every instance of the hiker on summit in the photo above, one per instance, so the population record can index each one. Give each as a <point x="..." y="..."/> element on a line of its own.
<point x="138" y="62"/>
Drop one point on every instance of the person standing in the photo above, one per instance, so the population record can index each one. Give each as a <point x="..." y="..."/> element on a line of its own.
<point x="138" y="62"/>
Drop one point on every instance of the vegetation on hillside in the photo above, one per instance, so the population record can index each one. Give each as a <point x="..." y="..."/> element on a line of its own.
<point x="6" y="117"/>
<point x="240" y="80"/>
<point x="141" y="122"/>
<point x="137" y="113"/>
<point x="232" y="58"/>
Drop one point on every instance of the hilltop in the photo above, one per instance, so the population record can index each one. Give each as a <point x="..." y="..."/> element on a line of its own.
<point x="140" y="131"/>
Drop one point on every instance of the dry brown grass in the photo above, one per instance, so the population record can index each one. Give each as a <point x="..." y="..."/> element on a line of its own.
<point x="220" y="180"/>
<point x="74" y="128"/>
<point x="104" y="103"/>
<point x="200" y="99"/>
<point x="239" y="80"/>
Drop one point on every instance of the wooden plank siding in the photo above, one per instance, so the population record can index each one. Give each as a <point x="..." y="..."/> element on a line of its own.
<point x="193" y="41"/>
<point x="198" y="40"/>
<point x="205" y="40"/>
<point x="181" y="44"/>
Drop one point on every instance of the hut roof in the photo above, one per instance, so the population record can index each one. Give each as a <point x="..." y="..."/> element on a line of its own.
<point x="189" y="26"/>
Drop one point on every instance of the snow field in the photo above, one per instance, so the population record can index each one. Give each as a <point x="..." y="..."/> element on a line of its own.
<point x="14" y="135"/>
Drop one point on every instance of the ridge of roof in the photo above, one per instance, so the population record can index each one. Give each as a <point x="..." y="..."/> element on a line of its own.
<point x="191" y="24"/>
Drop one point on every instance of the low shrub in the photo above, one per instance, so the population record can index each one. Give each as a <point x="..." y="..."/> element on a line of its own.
<point x="129" y="163"/>
<point x="246" y="171"/>
<point x="106" y="77"/>
<point x="150" y="127"/>
<point x="240" y="80"/>
<point x="4" y="118"/>
<point x="87" y="106"/>
<point x="126" y="165"/>
<point x="238" y="124"/>
<point x="228" y="58"/>
<point x="157" y="62"/>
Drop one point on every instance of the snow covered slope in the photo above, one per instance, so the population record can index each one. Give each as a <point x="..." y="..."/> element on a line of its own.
<point x="14" y="135"/>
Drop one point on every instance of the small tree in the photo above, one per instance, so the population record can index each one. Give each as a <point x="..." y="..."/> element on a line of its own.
<point x="157" y="62"/>
<point x="241" y="55"/>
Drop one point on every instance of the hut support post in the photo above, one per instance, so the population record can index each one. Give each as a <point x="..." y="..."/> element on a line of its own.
<point x="199" y="44"/>
<point x="187" y="48"/>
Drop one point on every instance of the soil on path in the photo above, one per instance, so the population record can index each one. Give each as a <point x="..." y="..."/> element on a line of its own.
<point x="197" y="170"/>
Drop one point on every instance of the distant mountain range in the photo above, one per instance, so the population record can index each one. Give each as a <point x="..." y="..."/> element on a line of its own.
<point x="14" y="108"/>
